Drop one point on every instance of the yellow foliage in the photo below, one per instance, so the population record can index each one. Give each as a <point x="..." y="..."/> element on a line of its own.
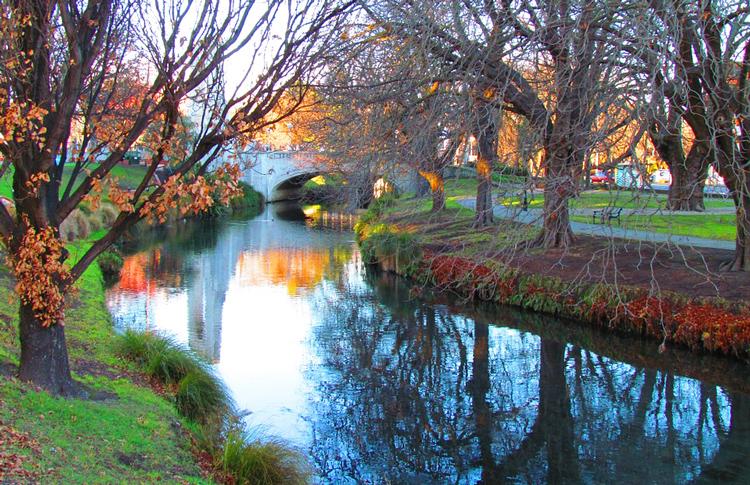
<point x="41" y="274"/>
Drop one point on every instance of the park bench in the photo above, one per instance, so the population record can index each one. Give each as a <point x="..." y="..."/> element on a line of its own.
<point x="607" y="214"/>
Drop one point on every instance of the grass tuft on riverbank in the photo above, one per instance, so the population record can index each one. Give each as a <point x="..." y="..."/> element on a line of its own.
<point x="201" y="397"/>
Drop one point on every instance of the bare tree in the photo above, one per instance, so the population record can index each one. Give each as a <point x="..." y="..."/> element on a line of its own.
<point x="61" y="58"/>
<point x="555" y="63"/>
<point x="705" y="82"/>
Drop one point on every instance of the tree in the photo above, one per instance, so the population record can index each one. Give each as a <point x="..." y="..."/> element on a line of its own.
<point x="61" y="59"/>
<point x="708" y="87"/>
<point x="554" y="63"/>
<point x="688" y="161"/>
<point x="430" y="137"/>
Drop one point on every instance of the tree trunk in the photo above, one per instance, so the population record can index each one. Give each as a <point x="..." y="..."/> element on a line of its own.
<point x="741" y="260"/>
<point x="483" y="217"/>
<point x="558" y="188"/>
<point x="485" y="132"/>
<point x="688" y="171"/>
<point x="738" y="184"/>
<point x="422" y="187"/>
<point x="685" y="191"/>
<point x="44" y="355"/>
<point x="688" y="179"/>
<point x="437" y="188"/>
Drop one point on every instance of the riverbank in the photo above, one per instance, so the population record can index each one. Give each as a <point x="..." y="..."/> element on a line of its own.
<point x="125" y="434"/>
<point x="669" y="294"/>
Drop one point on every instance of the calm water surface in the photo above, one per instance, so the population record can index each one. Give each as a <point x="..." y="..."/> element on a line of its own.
<point x="378" y="385"/>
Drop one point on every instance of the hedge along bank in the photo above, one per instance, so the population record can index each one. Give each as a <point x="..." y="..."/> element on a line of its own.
<point x="708" y="324"/>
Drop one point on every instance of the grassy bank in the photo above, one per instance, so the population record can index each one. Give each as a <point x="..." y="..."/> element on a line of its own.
<point x="443" y="250"/>
<point x="128" y="434"/>
<point x="157" y="410"/>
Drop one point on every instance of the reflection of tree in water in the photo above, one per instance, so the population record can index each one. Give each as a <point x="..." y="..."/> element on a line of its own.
<point x="157" y="256"/>
<point x="415" y="394"/>
<point x="182" y="236"/>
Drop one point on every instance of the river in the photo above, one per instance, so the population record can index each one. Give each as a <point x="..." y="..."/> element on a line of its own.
<point x="378" y="381"/>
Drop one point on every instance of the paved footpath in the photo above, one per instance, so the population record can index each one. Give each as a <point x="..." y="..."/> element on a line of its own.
<point x="534" y="216"/>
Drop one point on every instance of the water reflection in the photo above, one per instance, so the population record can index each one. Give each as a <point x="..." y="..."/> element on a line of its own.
<point x="186" y="278"/>
<point x="418" y="394"/>
<point x="380" y="387"/>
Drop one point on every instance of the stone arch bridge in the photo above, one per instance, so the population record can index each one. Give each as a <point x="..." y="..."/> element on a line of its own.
<point x="279" y="175"/>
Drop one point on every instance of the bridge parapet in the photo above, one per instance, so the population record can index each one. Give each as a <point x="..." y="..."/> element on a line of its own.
<point x="277" y="174"/>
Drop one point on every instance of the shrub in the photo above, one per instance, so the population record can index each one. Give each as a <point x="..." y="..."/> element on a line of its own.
<point x="379" y="205"/>
<point x="201" y="396"/>
<point x="110" y="262"/>
<point x="75" y="226"/>
<point x="107" y="214"/>
<point x="253" y="461"/>
<point x="396" y="251"/>
<point x="249" y="200"/>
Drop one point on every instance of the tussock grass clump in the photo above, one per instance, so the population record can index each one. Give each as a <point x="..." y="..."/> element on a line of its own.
<point x="251" y="460"/>
<point x="75" y="226"/>
<point x="201" y="396"/>
<point x="138" y="346"/>
<point x="83" y="221"/>
<point x="107" y="214"/>
<point x="172" y="363"/>
<point x="160" y="356"/>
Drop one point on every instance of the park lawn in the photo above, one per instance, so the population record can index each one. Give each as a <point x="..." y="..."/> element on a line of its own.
<point x="133" y="436"/>
<point x="708" y="226"/>
<point x="465" y="187"/>
<point x="615" y="198"/>
<point x="128" y="177"/>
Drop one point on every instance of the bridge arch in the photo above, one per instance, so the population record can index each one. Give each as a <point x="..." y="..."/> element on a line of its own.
<point x="279" y="175"/>
<point x="288" y="187"/>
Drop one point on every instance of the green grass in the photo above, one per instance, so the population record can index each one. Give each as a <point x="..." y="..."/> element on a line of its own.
<point x="260" y="461"/>
<point x="704" y="225"/>
<point x="709" y="226"/>
<point x="124" y="440"/>
<point x="592" y="199"/>
<point x="615" y="198"/>
<point x="132" y="437"/>
<point x="128" y="177"/>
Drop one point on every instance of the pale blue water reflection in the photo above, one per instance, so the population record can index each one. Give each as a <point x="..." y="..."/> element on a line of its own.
<point x="378" y="386"/>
